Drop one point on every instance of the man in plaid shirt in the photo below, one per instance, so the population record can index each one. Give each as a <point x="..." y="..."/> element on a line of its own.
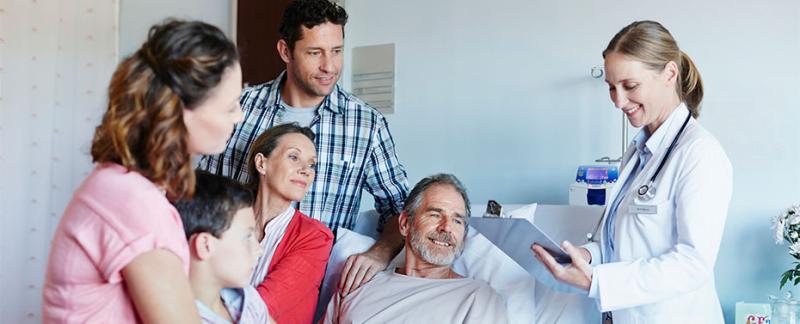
<point x="355" y="149"/>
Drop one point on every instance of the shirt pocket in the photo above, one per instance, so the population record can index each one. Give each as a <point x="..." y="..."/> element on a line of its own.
<point x="333" y="184"/>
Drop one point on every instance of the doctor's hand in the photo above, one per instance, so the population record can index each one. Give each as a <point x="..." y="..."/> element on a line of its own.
<point x="578" y="273"/>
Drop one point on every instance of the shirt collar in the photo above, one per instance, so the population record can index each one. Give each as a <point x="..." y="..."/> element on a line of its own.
<point x="328" y="103"/>
<point x="289" y="210"/>
<point x="650" y="143"/>
<point x="234" y="300"/>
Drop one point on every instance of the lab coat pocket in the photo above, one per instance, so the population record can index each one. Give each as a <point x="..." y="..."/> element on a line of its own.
<point x="655" y="221"/>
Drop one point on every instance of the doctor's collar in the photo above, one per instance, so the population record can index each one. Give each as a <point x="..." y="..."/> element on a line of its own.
<point x="654" y="141"/>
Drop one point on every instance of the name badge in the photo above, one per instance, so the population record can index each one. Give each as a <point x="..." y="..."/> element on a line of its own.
<point x="642" y="209"/>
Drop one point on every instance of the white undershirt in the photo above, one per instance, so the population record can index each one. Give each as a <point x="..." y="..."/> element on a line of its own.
<point x="273" y="233"/>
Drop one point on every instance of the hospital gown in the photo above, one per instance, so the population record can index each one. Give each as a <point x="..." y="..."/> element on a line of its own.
<point x="394" y="298"/>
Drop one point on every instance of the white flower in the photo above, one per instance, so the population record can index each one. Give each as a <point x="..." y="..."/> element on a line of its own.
<point x="795" y="248"/>
<point x="778" y="225"/>
<point x="795" y="209"/>
<point x="793" y="234"/>
<point x="794" y="219"/>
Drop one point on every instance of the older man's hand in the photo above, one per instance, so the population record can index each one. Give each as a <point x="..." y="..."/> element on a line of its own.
<point x="578" y="273"/>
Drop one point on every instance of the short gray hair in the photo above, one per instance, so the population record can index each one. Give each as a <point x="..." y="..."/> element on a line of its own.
<point x="414" y="200"/>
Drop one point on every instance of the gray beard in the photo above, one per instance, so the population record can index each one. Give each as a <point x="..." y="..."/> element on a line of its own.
<point x="419" y="246"/>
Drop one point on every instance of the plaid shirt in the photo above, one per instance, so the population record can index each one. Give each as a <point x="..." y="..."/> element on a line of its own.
<point x="355" y="150"/>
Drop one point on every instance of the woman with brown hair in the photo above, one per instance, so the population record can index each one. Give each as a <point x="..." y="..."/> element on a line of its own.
<point x="653" y="261"/>
<point x="119" y="253"/>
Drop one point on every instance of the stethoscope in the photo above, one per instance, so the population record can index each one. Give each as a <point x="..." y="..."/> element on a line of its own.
<point x="646" y="192"/>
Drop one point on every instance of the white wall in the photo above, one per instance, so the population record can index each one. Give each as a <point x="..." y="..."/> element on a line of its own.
<point x="56" y="58"/>
<point x="499" y="93"/>
<point x="137" y="16"/>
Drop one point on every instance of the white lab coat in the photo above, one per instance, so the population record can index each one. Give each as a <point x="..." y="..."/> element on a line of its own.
<point x="664" y="269"/>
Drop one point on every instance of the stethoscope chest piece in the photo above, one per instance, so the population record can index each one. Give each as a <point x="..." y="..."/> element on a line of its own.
<point x="646" y="191"/>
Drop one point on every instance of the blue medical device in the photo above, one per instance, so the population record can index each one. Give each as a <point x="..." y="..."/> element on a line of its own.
<point x="597" y="174"/>
<point x="591" y="184"/>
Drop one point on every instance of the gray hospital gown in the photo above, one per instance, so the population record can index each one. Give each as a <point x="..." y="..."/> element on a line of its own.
<point x="394" y="298"/>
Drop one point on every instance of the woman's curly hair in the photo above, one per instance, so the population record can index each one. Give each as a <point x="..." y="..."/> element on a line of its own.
<point x="143" y="128"/>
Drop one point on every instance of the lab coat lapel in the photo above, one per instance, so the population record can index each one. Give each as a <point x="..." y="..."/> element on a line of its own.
<point x="672" y="126"/>
<point x="629" y="159"/>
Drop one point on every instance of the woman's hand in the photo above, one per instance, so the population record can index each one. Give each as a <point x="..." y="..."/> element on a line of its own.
<point x="360" y="268"/>
<point x="578" y="273"/>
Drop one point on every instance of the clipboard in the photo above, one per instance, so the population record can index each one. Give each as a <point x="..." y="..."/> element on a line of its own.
<point x="514" y="237"/>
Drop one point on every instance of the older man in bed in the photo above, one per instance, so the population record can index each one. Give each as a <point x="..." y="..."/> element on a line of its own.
<point x="434" y="223"/>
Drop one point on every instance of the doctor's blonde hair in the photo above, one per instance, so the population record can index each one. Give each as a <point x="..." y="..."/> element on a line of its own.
<point x="652" y="44"/>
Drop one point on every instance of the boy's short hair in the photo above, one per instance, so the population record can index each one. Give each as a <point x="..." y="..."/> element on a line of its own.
<point x="216" y="199"/>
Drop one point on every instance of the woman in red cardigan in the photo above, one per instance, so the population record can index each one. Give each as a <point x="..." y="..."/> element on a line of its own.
<point x="295" y="248"/>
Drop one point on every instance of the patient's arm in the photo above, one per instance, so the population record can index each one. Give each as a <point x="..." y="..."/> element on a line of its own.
<point x="361" y="267"/>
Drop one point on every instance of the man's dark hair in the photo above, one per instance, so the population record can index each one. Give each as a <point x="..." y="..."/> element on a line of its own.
<point x="216" y="199"/>
<point x="309" y="13"/>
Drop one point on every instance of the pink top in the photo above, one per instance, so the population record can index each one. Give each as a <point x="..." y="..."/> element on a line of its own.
<point x="113" y="217"/>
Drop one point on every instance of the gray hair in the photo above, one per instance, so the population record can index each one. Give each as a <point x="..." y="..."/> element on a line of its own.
<point x="414" y="200"/>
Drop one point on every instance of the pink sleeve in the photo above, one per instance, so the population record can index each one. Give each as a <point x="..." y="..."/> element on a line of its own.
<point x="125" y="229"/>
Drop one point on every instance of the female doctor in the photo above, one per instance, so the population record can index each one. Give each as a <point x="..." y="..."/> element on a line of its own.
<point x="653" y="261"/>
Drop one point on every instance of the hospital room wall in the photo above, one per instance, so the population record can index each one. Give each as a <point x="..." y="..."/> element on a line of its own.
<point x="136" y="17"/>
<point x="499" y="93"/>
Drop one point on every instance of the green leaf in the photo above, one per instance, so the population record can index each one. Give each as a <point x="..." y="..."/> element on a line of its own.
<point x="788" y="275"/>
<point x="796" y="280"/>
<point x="784" y="278"/>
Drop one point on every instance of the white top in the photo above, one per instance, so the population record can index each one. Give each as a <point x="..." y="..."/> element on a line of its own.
<point x="273" y="234"/>
<point x="394" y="298"/>
<point x="243" y="304"/>
<point x="665" y="248"/>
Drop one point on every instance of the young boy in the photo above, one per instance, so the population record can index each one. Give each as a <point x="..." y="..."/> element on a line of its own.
<point x="220" y="227"/>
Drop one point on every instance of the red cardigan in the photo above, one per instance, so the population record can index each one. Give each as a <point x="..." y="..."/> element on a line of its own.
<point x="291" y="287"/>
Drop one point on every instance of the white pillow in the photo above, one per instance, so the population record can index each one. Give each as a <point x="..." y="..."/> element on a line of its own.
<point x="557" y="302"/>
<point x="484" y="261"/>
<point x="347" y="243"/>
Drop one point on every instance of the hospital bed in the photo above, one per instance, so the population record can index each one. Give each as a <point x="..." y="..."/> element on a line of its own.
<point x="528" y="300"/>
